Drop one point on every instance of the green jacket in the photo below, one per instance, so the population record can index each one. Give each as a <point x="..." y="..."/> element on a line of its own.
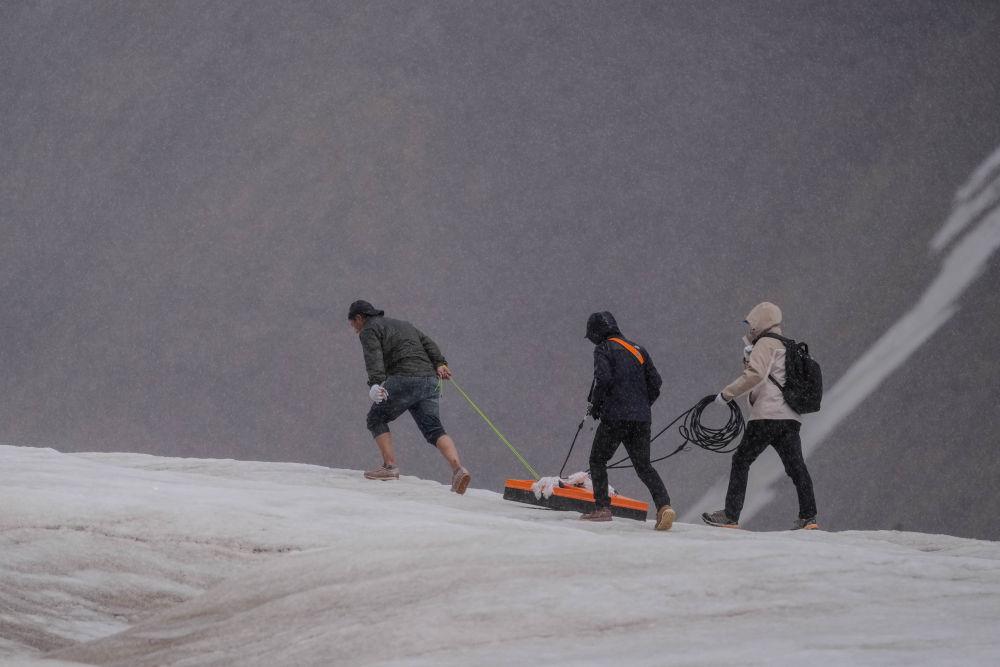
<point x="396" y="347"/>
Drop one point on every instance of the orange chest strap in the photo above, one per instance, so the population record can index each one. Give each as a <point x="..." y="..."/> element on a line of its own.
<point x="630" y="348"/>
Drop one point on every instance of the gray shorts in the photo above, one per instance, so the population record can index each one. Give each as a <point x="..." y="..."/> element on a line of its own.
<point x="419" y="396"/>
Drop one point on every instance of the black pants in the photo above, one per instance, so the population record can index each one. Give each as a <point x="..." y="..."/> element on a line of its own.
<point x="635" y="437"/>
<point x="783" y="435"/>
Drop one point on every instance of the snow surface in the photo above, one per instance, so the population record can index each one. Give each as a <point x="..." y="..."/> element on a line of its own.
<point x="129" y="559"/>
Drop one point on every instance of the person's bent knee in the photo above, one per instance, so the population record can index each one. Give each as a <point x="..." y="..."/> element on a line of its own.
<point x="378" y="429"/>
<point x="430" y="427"/>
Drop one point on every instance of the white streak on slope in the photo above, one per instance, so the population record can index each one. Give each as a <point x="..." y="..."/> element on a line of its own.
<point x="978" y="195"/>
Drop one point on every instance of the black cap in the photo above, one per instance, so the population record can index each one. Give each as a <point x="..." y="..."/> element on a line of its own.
<point x="363" y="308"/>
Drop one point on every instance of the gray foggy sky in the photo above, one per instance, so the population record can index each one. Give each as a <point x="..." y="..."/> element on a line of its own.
<point x="193" y="194"/>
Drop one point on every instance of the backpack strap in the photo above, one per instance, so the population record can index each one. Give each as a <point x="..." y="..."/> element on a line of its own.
<point x="630" y="348"/>
<point x="785" y="342"/>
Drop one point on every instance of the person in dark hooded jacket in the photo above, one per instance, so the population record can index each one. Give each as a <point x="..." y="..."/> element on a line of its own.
<point x="625" y="386"/>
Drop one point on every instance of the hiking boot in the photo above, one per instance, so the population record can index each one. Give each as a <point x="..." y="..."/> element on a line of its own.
<point x="383" y="473"/>
<point x="664" y="518"/>
<point x="599" y="514"/>
<point x="805" y="524"/>
<point x="720" y="519"/>
<point x="460" y="480"/>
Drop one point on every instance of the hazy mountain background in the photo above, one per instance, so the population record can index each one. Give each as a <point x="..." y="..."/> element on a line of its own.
<point x="191" y="194"/>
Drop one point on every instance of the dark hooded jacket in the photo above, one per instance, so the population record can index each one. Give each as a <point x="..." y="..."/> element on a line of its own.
<point x="624" y="387"/>
<point x="396" y="347"/>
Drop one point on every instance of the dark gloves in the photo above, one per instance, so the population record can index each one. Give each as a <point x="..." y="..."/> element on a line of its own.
<point x="594" y="411"/>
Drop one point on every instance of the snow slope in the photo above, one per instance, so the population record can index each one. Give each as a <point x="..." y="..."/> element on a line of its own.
<point x="126" y="559"/>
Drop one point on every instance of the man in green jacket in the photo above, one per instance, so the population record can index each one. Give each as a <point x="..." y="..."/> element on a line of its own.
<point x="404" y="368"/>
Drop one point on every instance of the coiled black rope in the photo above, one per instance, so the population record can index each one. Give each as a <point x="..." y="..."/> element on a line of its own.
<point x="694" y="432"/>
<point x="712" y="439"/>
<point x="691" y="429"/>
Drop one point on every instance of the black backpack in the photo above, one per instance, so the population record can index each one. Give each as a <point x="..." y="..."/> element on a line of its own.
<point x="803" y="388"/>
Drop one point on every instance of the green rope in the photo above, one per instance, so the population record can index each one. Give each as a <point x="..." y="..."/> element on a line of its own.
<point x="516" y="453"/>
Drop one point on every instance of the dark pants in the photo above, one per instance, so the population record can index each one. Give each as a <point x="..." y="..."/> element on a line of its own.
<point x="635" y="437"/>
<point x="419" y="396"/>
<point x="783" y="435"/>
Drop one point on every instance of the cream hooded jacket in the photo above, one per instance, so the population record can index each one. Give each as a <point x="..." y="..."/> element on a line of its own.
<point x="767" y="358"/>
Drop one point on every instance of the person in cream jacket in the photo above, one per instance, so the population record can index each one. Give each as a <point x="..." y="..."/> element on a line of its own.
<point x="771" y="421"/>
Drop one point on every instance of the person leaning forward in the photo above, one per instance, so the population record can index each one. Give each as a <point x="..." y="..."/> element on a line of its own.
<point x="625" y="386"/>
<point x="404" y="370"/>
<point x="771" y="421"/>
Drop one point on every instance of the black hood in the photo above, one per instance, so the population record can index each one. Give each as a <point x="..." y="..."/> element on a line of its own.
<point x="601" y="326"/>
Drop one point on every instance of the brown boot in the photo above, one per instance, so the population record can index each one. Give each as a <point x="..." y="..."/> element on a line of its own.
<point x="664" y="518"/>
<point x="599" y="514"/>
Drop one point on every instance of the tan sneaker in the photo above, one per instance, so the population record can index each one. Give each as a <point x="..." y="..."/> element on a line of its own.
<point x="460" y="480"/>
<point x="599" y="514"/>
<point x="665" y="518"/>
<point x="383" y="473"/>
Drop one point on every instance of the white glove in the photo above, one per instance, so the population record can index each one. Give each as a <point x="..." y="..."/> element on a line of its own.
<point x="746" y="352"/>
<point x="377" y="393"/>
<point x="720" y="400"/>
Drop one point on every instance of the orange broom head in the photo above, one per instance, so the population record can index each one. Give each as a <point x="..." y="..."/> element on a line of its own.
<point x="573" y="499"/>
